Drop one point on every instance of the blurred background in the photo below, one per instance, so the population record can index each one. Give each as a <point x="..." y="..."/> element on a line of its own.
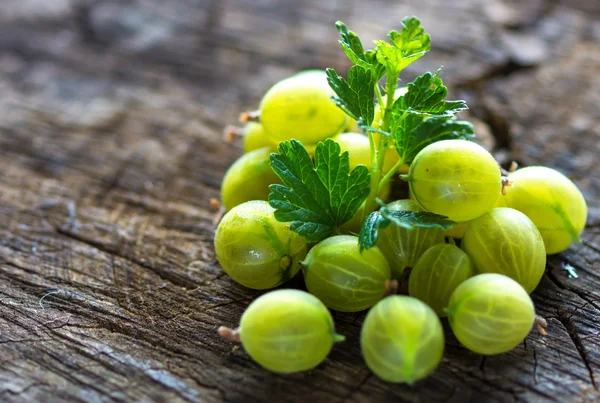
<point x="160" y="76"/>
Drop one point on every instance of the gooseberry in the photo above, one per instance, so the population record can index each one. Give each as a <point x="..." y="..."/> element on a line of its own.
<point x="255" y="249"/>
<point x="248" y="179"/>
<point x="402" y="339"/>
<point x="455" y="178"/>
<point x="490" y="313"/>
<point x="403" y="247"/>
<point x="287" y="331"/>
<point x="436" y="275"/>
<point x="359" y="151"/>
<point x="505" y="241"/>
<point x="255" y="137"/>
<point x="301" y="108"/>
<point x="342" y="277"/>
<point x="551" y="201"/>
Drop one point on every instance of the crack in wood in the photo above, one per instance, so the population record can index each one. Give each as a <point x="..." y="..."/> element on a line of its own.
<point x="567" y="321"/>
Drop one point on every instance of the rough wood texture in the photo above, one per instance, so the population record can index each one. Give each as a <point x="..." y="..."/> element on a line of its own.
<point x="110" y="151"/>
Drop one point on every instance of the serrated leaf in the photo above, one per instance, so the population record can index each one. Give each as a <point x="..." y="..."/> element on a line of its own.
<point x="408" y="45"/>
<point x="352" y="46"/>
<point x="383" y="218"/>
<point x="390" y="57"/>
<point x="427" y="94"/>
<point x="370" y="230"/>
<point x="419" y="219"/>
<point x="317" y="199"/>
<point x="413" y="131"/>
<point x="356" y="95"/>
<point x="412" y="39"/>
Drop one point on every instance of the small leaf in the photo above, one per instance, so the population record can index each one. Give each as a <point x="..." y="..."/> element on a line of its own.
<point x="427" y="94"/>
<point x="412" y="39"/>
<point x="317" y="199"/>
<point x="352" y="46"/>
<point x="390" y="57"/>
<point x="370" y="230"/>
<point x="420" y="219"/>
<point x="356" y="95"/>
<point x="383" y="218"/>
<point x="408" y="45"/>
<point x="412" y="132"/>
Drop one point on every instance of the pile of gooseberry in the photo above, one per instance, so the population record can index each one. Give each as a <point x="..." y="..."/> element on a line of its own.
<point x="478" y="274"/>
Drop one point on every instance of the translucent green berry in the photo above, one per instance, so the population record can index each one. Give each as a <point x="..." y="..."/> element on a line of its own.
<point x="301" y="108"/>
<point x="505" y="241"/>
<point x="255" y="249"/>
<point x="402" y="339"/>
<point x="287" y="331"/>
<point x="455" y="178"/>
<point x="255" y="138"/>
<point x="342" y="277"/>
<point x="490" y="313"/>
<point x="403" y="247"/>
<point x="436" y="275"/>
<point x="551" y="201"/>
<point x="359" y="151"/>
<point x="248" y="179"/>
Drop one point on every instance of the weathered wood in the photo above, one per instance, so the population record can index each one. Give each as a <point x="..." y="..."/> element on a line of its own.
<point x="111" y="149"/>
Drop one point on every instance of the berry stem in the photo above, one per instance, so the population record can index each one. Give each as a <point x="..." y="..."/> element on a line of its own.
<point x="338" y="338"/>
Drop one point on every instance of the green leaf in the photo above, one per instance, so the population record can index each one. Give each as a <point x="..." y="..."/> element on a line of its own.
<point x="370" y="230"/>
<point x="413" y="131"/>
<point x="408" y="45"/>
<point x="420" y="219"/>
<point x="356" y="95"/>
<point x="427" y="94"/>
<point x="355" y="51"/>
<point x="389" y="57"/>
<point x="353" y="46"/>
<point x="403" y="218"/>
<point x="317" y="199"/>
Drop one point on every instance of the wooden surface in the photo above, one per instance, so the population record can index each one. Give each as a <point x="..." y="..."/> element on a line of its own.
<point x="111" y="114"/>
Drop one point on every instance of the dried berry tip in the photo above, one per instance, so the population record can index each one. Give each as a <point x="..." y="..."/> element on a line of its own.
<point x="541" y="324"/>
<point x="391" y="287"/>
<point x="252" y="116"/>
<point x="231" y="132"/>
<point x="505" y="183"/>
<point x="214" y="203"/>
<point x="229" y="334"/>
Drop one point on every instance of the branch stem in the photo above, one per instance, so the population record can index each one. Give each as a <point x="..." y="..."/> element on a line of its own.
<point x="378" y="156"/>
<point x="386" y="178"/>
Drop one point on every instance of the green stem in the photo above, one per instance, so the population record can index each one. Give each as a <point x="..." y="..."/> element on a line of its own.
<point x="386" y="178"/>
<point x="379" y="102"/>
<point x="378" y="157"/>
<point x="390" y="88"/>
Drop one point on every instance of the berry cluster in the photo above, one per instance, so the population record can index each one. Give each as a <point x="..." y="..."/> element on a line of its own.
<point x="470" y="243"/>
